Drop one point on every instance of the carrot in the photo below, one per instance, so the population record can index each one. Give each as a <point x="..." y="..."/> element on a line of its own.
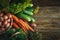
<point x="27" y="26"/>
<point x="15" y="25"/>
<point x="23" y="23"/>
<point x="31" y="29"/>
<point x="20" y="25"/>
<point x="15" y="18"/>
<point x="24" y="20"/>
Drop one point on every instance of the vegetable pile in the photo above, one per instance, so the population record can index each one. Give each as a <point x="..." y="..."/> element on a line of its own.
<point x="5" y="21"/>
<point x="17" y="16"/>
<point x="21" y="23"/>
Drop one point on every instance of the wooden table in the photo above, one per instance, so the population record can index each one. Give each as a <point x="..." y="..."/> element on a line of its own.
<point x="48" y="23"/>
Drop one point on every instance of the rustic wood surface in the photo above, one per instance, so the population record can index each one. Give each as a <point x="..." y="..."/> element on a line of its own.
<point x="47" y="2"/>
<point x="48" y="23"/>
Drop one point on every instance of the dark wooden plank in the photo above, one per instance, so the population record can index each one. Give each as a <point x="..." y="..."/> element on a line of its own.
<point x="47" y="2"/>
<point x="48" y="23"/>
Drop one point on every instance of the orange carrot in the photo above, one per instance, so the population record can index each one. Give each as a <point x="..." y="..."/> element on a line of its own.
<point x="15" y="25"/>
<point x="26" y="25"/>
<point x="29" y="27"/>
<point x="23" y="23"/>
<point x="15" y="18"/>
<point x="20" y="25"/>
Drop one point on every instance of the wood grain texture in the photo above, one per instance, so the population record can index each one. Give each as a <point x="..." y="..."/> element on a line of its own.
<point x="47" y="2"/>
<point x="48" y="23"/>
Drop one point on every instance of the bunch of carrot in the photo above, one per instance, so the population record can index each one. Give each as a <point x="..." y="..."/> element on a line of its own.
<point x="19" y="23"/>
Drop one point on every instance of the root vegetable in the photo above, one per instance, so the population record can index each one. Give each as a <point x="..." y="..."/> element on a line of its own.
<point x="7" y="25"/>
<point x="9" y="15"/>
<point x="1" y="19"/>
<point x="5" y="17"/>
<point x="5" y="22"/>
<point x="15" y="25"/>
<point x="0" y="24"/>
<point x="2" y="29"/>
<point x="8" y="20"/>
<point x="33" y="25"/>
<point x="25" y="26"/>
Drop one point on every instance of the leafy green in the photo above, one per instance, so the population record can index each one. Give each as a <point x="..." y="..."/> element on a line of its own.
<point x="7" y="34"/>
<point x="16" y="7"/>
<point x="34" y="36"/>
<point x="36" y="10"/>
<point x="21" y="36"/>
<point x="4" y="3"/>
